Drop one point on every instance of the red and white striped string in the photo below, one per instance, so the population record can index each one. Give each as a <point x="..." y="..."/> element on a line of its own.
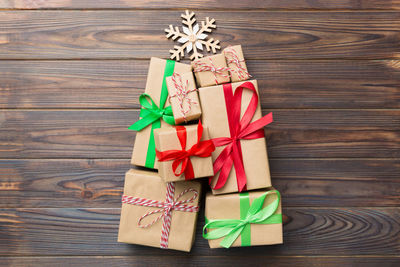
<point x="166" y="209"/>
<point x="232" y="57"/>
<point x="202" y="66"/>
<point x="182" y="93"/>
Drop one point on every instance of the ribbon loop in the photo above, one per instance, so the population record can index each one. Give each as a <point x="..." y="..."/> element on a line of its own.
<point x="182" y="93"/>
<point x="230" y="229"/>
<point x="166" y="209"/>
<point x="240" y="128"/>
<point x="182" y="157"/>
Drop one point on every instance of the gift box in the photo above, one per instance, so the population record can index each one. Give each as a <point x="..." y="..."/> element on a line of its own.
<point x="211" y="70"/>
<point x="243" y="219"/>
<point x="235" y="61"/>
<point x="184" y="152"/>
<point x="156" y="111"/>
<point x="233" y="116"/>
<point x="158" y="214"/>
<point x="183" y="97"/>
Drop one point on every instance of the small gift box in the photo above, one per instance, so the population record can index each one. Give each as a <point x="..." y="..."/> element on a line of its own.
<point x="211" y="70"/>
<point x="156" y="111"/>
<point x="183" y="97"/>
<point x="158" y="214"/>
<point x="184" y="152"/>
<point x="232" y="114"/>
<point x="235" y="61"/>
<point x="244" y="219"/>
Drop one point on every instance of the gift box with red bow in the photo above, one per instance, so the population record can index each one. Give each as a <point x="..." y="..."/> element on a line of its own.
<point x="233" y="116"/>
<point x="158" y="214"/>
<point x="211" y="70"/>
<point x="184" y="152"/>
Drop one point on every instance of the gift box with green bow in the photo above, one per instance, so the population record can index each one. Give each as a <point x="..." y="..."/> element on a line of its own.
<point x="246" y="219"/>
<point x="156" y="111"/>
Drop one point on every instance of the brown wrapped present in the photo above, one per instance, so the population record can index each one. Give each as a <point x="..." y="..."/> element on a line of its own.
<point x="155" y="110"/>
<point x="235" y="61"/>
<point x="183" y="97"/>
<point x="249" y="219"/>
<point x="158" y="214"/>
<point x="184" y="152"/>
<point x="211" y="70"/>
<point x="232" y="114"/>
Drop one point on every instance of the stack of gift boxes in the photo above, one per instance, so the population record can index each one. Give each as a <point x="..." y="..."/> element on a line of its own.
<point x="226" y="145"/>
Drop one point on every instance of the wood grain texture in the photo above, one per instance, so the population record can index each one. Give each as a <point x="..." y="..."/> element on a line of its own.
<point x="99" y="183"/>
<point x="104" y="134"/>
<point x="197" y="4"/>
<point x="310" y="231"/>
<point x="140" y="34"/>
<point x="183" y="261"/>
<point x="282" y="84"/>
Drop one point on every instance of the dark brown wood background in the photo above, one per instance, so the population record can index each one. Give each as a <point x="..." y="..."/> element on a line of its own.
<point x="71" y="72"/>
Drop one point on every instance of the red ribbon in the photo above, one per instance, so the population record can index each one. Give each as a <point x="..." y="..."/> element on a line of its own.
<point x="200" y="149"/>
<point x="239" y="129"/>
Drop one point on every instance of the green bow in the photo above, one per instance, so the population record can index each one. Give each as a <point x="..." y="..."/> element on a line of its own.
<point x="151" y="113"/>
<point x="254" y="214"/>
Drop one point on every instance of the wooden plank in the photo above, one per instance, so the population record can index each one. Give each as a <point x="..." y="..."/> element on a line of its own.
<point x="181" y="260"/>
<point x="104" y="133"/>
<point x="140" y="34"/>
<point x="99" y="183"/>
<point x="197" y="4"/>
<point x="118" y="84"/>
<point x="310" y="231"/>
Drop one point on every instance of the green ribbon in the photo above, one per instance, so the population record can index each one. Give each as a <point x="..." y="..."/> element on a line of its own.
<point x="152" y="114"/>
<point x="249" y="214"/>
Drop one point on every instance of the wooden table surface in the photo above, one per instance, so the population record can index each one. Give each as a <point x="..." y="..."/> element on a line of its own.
<point x="71" y="72"/>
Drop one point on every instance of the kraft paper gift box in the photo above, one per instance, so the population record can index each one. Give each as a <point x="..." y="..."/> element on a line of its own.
<point x="263" y="224"/>
<point x="250" y="168"/>
<point x="183" y="97"/>
<point x="156" y="88"/>
<point x="236" y="63"/>
<point x="145" y="189"/>
<point x="211" y="70"/>
<point x="170" y="151"/>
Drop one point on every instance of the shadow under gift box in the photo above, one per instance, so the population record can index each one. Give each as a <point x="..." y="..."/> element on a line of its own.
<point x="148" y="185"/>
<point x="167" y="139"/>
<point x="228" y="206"/>
<point x="154" y="86"/>
<point x="254" y="151"/>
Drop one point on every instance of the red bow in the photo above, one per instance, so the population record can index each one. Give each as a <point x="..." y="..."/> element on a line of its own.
<point x="239" y="129"/>
<point x="200" y="149"/>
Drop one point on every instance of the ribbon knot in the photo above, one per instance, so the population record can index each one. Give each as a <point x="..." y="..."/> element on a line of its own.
<point x="202" y="66"/>
<point x="182" y="157"/>
<point x="182" y="93"/>
<point x="255" y="214"/>
<point x="240" y="128"/>
<point x="166" y="209"/>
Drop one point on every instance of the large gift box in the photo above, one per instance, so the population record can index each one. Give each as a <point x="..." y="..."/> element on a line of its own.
<point x="243" y="219"/>
<point x="156" y="111"/>
<point x="236" y="63"/>
<point x="233" y="116"/>
<point x="158" y="214"/>
<point x="184" y="152"/>
<point x="211" y="70"/>
<point x="183" y="97"/>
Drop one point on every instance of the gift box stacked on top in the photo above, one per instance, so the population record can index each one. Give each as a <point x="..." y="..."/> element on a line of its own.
<point x="227" y="146"/>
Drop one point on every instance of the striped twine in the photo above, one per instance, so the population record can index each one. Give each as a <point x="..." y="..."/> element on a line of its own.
<point x="182" y="93"/>
<point x="202" y="66"/>
<point x="166" y="209"/>
<point x="232" y="57"/>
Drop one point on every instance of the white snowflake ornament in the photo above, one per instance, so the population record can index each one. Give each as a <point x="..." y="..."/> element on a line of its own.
<point x="193" y="37"/>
